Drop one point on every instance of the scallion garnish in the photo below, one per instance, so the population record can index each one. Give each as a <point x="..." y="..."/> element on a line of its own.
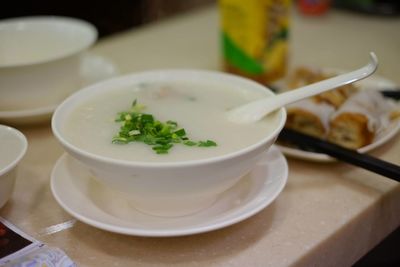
<point x="141" y="127"/>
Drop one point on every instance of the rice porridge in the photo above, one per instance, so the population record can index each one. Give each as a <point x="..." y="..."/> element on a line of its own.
<point x="199" y="108"/>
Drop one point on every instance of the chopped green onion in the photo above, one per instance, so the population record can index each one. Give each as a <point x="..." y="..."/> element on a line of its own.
<point x="190" y="143"/>
<point x="207" y="143"/>
<point x="141" y="127"/>
<point x="180" y="132"/>
<point x="134" y="132"/>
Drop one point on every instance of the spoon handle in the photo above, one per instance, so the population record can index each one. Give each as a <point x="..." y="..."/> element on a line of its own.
<point x="328" y="84"/>
<point x="254" y="111"/>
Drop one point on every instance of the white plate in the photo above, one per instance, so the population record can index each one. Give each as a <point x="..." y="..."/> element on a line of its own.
<point x="94" y="204"/>
<point x="374" y="82"/>
<point x="94" y="68"/>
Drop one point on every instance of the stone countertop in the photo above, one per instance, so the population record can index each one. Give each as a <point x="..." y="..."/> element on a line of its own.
<point x="329" y="214"/>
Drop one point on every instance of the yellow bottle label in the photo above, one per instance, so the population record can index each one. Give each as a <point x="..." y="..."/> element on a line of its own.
<point x="254" y="37"/>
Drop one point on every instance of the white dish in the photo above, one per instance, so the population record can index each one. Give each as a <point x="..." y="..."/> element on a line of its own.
<point x="97" y="205"/>
<point x="374" y="82"/>
<point x="40" y="59"/>
<point x="183" y="182"/>
<point x="94" y="68"/>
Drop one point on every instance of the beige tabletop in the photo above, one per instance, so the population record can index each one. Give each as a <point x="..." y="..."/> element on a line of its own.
<point x="329" y="214"/>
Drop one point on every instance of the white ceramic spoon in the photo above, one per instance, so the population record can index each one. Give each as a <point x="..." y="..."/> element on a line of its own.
<point x="255" y="110"/>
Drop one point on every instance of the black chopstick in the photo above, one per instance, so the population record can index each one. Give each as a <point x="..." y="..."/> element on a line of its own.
<point x="393" y="94"/>
<point x="365" y="161"/>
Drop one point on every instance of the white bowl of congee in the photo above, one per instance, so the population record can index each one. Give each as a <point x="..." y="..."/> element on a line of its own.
<point x="162" y="138"/>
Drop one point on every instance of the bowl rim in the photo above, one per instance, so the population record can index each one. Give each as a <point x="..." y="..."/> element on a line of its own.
<point x="21" y="137"/>
<point x="90" y="29"/>
<point x="74" y="98"/>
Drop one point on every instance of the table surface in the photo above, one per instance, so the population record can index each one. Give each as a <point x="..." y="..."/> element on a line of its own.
<point x="329" y="214"/>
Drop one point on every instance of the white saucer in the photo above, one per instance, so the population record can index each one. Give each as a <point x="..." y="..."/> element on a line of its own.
<point x="374" y="82"/>
<point x="94" y="68"/>
<point x="96" y="205"/>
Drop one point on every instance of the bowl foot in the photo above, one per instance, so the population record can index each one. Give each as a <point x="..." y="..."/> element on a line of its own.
<point x="173" y="207"/>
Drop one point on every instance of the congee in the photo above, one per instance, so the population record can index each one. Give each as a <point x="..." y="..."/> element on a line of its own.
<point x="198" y="108"/>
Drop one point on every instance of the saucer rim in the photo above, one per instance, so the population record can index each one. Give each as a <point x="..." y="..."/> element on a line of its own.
<point x="24" y="113"/>
<point x="205" y="227"/>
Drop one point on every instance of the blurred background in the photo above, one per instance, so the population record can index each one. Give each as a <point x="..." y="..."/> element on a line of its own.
<point x="119" y="15"/>
<point x="108" y="17"/>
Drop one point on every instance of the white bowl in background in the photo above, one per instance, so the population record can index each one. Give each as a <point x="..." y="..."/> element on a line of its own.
<point x="167" y="188"/>
<point x="40" y="60"/>
<point x="13" y="146"/>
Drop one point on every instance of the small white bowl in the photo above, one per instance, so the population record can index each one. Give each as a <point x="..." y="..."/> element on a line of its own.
<point x="40" y="60"/>
<point x="167" y="188"/>
<point x="13" y="146"/>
